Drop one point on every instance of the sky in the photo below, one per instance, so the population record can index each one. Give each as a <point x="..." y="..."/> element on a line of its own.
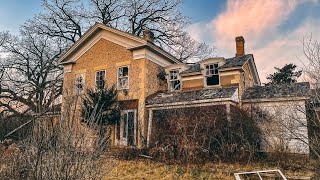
<point x="272" y="29"/>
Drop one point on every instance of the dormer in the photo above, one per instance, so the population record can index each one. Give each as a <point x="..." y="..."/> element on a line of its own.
<point x="210" y="71"/>
<point x="239" y="71"/>
<point x="173" y="76"/>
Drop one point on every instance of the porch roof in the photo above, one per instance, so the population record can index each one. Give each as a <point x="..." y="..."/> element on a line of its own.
<point x="301" y="89"/>
<point x="203" y="95"/>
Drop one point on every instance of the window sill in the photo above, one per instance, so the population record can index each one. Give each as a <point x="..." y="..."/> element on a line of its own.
<point x="120" y="89"/>
<point x="180" y="90"/>
<point x="212" y="86"/>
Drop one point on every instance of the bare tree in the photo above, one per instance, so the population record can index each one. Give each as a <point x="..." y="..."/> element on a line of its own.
<point x="211" y="134"/>
<point x="187" y="49"/>
<point x="296" y="123"/>
<point x="57" y="149"/>
<point x="108" y="12"/>
<point x="31" y="79"/>
<point x="61" y="18"/>
<point x="311" y="49"/>
<point x="69" y="19"/>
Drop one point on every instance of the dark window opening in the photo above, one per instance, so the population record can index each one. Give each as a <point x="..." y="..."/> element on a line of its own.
<point x="100" y="80"/>
<point x="212" y="74"/>
<point x="213" y="80"/>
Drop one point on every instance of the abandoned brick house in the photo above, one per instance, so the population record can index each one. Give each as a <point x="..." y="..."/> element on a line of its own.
<point x="107" y="56"/>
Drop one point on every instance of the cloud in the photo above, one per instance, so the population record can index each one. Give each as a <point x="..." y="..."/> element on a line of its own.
<point x="259" y="22"/>
<point x="286" y="48"/>
<point x="251" y="19"/>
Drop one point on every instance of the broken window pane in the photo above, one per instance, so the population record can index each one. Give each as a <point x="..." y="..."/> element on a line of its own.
<point x="174" y="80"/>
<point x="212" y="74"/>
<point x="79" y="83"/>
<point x="100" y="80"/>
<point x="125" y="124"/>
<point x="123" y="77"/>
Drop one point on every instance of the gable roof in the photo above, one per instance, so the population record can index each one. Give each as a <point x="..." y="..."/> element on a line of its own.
<point x="277" y="91"/>
<point x="230" y="64"/>
<point x="237" y="61"/>
<point x="204" y="94"/>
<point x="98" y="27"/>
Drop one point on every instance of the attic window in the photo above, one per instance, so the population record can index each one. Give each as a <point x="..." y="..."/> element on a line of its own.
<point x="79" y="84"/>
<point x="123" y="77"/>
<point x="212" y="74"/>
<point x="174" y="80"/>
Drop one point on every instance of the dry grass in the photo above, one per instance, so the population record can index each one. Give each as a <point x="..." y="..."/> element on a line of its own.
<point x="146" y="169"/>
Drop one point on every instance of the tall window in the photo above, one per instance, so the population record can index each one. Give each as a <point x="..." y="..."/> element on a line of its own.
<point x="123" y="77"/>
<point x="174" y="80"/>
<point x="79" y="83"/>
<point x="212" y="74"/>
<point x="100" y="80"/>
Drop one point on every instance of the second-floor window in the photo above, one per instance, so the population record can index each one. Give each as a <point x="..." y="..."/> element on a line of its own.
<point x="79" y="83"/>
<point x="100" y="80"/>
<point x="212" y="74"/>
<point x="123" y="77"/>
<point x="174" y="80"/>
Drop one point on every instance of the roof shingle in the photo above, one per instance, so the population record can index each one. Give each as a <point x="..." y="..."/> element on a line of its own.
<point x="175" y="97"/>
<point x="236" y="61"/>
<point x="277" y="91"/>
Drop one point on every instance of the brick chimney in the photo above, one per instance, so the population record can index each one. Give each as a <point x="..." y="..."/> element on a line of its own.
<point x="148" y="35"/>
<point x="239" y="46"/>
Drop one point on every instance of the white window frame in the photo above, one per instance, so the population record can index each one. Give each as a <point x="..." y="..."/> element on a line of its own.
<point x="95" y="79"/>
<point x="118" y="78"/>
<point x="178" y="78"/>
<point x="124" y="141"/>
<point x="82" y="75"/>
<point x="208" y="73"/>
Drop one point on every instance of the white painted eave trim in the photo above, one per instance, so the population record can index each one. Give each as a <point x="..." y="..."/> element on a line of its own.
<point x="255" y="74"/>
<point x="184" y="103"/>
<point x="94" y="29"/>
<point x="275" y="99"/>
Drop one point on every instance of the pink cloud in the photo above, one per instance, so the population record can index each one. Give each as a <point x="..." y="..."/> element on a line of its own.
<point x="258" y="21"/>
<point x="285" y="49"/>
<point x="251" y="19"/>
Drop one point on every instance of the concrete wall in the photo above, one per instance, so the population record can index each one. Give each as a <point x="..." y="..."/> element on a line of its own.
<point x="286" y="125"/>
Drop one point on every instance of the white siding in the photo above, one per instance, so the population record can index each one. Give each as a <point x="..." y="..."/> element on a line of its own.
<point x="286" y="127"/>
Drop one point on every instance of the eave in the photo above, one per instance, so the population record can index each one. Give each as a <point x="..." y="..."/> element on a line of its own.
<point x="95" y="31"/>
<point x="261" y="100"/>
<point x="155" y="49"/>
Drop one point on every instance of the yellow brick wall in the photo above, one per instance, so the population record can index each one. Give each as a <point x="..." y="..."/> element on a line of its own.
<point x="229" y="80"/>
<point x="225" y="81"/>
<point x="248" y="79"/>
<point x="105" y="55"/>
<point x="192" y="84"/>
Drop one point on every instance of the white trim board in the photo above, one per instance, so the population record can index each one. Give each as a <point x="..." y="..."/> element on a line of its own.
<point x="207" y="102"/>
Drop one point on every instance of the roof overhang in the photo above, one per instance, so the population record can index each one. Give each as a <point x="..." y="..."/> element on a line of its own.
<point x="255" y="73"/>
<point x="280" y="99"/>
<point x="155" y="49"/>
<point x="101" y="31"/>
<point x="196" y="103"/>
<point x="253" y="69"/>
